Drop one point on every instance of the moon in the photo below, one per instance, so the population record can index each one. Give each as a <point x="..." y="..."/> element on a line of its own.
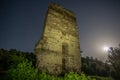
<point x="106" y="48"/>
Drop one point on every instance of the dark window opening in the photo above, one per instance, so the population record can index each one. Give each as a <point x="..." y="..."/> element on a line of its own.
<point x="64" y="53"/>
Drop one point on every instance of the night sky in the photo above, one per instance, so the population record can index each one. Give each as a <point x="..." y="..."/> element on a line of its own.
<point x="21" y="24"/>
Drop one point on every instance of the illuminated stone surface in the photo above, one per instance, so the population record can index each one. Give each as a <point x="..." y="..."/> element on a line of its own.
<point x="58" y="50"/>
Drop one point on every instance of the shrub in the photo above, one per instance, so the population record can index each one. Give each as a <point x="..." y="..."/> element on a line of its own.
<point x="68" y="76"/>
<point x="75" y="76"/>
<point x="44" y="76"/>
<point x="23" y="71"/>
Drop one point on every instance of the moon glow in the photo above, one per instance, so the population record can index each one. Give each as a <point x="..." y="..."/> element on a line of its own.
<point x="105" y="48"/>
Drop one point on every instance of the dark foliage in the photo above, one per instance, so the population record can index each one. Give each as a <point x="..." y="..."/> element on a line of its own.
<point x="92" y="66"/>
<point x="114" y="59"/>
<point x="13" y="57"/>
<point x="10" y="59"/>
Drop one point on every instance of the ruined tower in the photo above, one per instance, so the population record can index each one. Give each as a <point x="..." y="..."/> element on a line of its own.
<point x="58" y="50"/>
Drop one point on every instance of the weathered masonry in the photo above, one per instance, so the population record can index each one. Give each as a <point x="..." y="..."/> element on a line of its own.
<point x="58" y="50"/>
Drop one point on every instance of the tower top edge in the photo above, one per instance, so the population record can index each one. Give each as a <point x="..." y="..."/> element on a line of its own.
<point x="61" y="8"/>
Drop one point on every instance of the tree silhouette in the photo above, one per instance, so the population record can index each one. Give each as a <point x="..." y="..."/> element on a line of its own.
<point x="114" y="59"/>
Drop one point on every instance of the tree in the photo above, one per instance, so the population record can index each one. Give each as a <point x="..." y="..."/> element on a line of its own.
<point x="114" y="59"/>
<point x="91" y="66"/>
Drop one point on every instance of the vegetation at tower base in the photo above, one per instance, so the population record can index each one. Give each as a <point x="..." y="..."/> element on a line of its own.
<point x="58" y="51"/>
<point x="15" y="61"/>
<point x="21" y="67"/>
<point x="114" y="59"/>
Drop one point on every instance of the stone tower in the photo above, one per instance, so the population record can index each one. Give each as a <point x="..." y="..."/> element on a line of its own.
<point x="58" y="50"/>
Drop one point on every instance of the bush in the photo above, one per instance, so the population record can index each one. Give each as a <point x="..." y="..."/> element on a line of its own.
<point x="44" y="76"/>
<point x="23" y="71"/>
<point x="68" y="76"/>
<point x="75" y="76"/>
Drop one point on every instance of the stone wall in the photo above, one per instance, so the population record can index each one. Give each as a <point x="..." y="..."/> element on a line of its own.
<point x="58" y="50"/>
